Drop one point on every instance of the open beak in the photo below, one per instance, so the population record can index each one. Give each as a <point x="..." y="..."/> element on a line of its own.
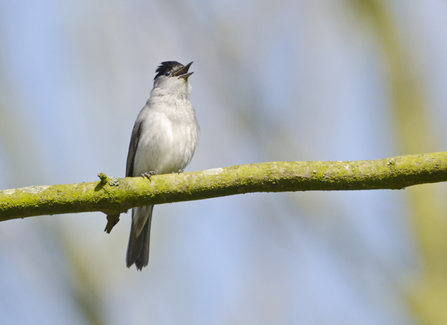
<point x="183" y="72"/>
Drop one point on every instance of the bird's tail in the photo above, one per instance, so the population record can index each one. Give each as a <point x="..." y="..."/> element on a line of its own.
<point x="138" y="249"/>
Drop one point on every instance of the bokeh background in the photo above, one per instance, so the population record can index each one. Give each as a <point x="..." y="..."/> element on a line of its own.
<point x="274" y="80"/>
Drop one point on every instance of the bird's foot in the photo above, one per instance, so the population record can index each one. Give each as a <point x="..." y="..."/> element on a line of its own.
<point x="148" y="175"/>
<point x="179" y="171"/>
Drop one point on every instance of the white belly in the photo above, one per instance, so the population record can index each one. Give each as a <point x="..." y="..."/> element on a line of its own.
<point x="165" y="145"/>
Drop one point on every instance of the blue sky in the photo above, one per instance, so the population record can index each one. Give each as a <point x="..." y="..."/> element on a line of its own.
<point x="273" y="81"/>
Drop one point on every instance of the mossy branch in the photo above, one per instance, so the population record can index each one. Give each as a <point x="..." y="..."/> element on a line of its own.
<point x="113" y="196"/>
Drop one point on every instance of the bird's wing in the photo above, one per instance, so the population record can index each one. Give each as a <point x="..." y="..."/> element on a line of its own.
<point x="136" y="132"/>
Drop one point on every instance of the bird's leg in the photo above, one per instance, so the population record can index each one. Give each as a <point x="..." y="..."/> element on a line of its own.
<point x="179" y="171"/>
<point x="148" y="175"/>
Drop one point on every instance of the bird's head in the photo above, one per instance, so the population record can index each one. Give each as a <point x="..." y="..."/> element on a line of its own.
<point x="172" y="79"/>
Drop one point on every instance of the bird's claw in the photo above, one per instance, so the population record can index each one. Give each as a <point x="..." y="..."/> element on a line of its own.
<point x="148" y="175"/>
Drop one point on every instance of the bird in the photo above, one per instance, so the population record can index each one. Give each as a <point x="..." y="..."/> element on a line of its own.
<point x="163" y="140"/>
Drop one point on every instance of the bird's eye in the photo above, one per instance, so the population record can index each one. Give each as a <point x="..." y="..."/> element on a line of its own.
<point x="167" y="73"/>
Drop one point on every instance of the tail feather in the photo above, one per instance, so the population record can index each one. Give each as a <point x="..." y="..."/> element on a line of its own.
<point x="139" y="239"/>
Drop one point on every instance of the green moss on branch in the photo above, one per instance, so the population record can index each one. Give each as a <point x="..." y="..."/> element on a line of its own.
<point x="113" y="196"/>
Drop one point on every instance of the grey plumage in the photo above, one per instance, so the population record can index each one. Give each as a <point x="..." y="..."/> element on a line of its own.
<point x="163" y="141"/>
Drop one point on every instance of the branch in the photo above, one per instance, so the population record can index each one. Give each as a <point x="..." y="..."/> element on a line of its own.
<point x="114" y="196"/>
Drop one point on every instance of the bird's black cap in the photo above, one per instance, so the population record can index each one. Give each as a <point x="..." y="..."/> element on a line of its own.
<point x="173" y="68"/>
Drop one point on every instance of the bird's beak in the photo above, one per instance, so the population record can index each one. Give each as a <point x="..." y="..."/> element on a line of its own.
<point x="183" y="72"/>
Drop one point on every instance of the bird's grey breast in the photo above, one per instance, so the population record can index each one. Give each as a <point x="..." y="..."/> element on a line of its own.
<point x="168" y="138"/>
